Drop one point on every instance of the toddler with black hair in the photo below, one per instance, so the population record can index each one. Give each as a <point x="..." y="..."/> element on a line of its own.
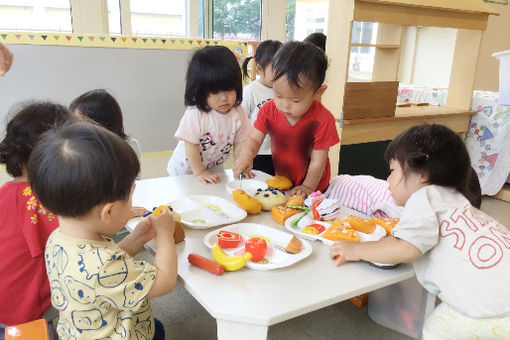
<point x="26" y="223"/>
<point x="259" y="92"/>
<point x="459" y="253"/>
<point x="302" y="130"/>
<point x="86" y="175"/>
<point x="214" y="121"/>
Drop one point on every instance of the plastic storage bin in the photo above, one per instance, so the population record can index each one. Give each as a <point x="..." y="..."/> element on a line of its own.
<point x="399" y="307"/>
<point x="504" y="76"/>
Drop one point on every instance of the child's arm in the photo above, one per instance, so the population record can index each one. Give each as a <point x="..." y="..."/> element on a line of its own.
<point x="390" y="250"/>
<point x="195" y="161"/>
<point x="142" y="234"/>
<point x="314" y="174"/>
<point x="248" y="151"/>
<point x="165" y="259"/>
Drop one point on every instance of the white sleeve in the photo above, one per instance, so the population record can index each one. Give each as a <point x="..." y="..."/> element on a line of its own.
<point x="419" y="224"/>
<point x="247" y="100"/>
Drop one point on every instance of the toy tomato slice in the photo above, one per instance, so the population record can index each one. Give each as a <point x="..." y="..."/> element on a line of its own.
<point x="319" y="227"/>
<point x="257" y="247"/>
<point x="316" y="215"/>
<point x="228" y="239"/>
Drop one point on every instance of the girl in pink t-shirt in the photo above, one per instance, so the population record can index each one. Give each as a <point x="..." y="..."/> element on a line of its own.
<point x="26" y="224"/>
<point x="214" y="121"/>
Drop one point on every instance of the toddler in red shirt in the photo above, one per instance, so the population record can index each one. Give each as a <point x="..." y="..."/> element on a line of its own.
<point x="302" y="130"/>
<point x="26" y="224"/>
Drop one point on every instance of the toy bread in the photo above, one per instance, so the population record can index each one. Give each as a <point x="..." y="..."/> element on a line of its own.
<point x="179" y="230"/>
<point x="269" y="198"/>
<point x="339" y="232"/>
<point x="294" y="245"/>
<point x="245" y="201"/>
<point x="279" y="182"/>
<point x="280" y="213"/>
<point x="296" y="200"/>
<point x="387" y="223"/>
<point x="359" y="224"/>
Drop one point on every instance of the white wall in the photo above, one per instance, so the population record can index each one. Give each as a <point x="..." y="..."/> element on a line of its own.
<point x="433" y="56"/>
<point x="148" y="84"/>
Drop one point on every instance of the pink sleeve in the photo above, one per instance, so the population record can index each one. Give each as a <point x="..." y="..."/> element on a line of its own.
<point x="189" y="127"/>
<point x="326" y="135"/>
<point x="243" y="130"/>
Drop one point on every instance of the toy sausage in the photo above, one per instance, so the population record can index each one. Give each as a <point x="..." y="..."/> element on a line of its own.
<point x="206" y="264"/>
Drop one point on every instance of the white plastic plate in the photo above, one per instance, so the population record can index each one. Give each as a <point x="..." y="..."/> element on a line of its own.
<point x="276" y="255"/>
<point x="250" y="186"/>
<point x="206" y="211"/>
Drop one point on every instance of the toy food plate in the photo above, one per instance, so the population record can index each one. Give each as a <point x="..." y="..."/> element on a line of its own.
<point x="308" y="220"/>
<point x="276" y="256"/>
<point x="250" y="186"/>
<point x="204" y="211"/>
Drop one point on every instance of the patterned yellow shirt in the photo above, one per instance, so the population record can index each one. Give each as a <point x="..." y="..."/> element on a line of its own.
<point x="99" y="289"/>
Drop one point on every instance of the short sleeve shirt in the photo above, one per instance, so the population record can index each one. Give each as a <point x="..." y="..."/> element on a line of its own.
<point x="99" y="290"/>
<point x="292" y="145"/>
<point x="215" y="133"/>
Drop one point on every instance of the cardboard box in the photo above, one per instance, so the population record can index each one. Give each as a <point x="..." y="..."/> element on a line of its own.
<point x="370" y="99"/>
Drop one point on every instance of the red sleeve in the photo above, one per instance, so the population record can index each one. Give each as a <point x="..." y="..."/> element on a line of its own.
<point x="262" y="116"/>
<point x="37" y="222"/>
<point x="326" y="135"/>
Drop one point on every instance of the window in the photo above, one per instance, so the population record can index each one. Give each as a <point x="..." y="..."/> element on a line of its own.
<point x="159" y="17"/>
<point x="236" y="19"/>
<point x="361" y="60"/>
<point x="35" y="15"/>
<point x="312" y="16"/>
<point x="114" y="16"/>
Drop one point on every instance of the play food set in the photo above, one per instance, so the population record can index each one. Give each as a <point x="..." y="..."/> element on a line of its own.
<point x="279" y="182"/>
<point x="228" y="239"/>
<point x="257" y="247"/>
<point x="248" y="185"/>
<point x="269" y="198"/>
<point x="253" y="238"/>
<point x="230" y="263"/>
<point x="247" y="202"/>
<point x="206" y="264"/>
<point x="206" y="211"/>
<point x="281" y="212"/>
<point x="179" y="234"/>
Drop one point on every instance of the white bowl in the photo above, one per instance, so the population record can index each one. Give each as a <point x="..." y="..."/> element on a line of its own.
<point x="248" y="185"/>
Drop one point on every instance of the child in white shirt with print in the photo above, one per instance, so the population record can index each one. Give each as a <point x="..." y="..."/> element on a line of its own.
<point x="214" y="121"/>
<point x="459" y="253"/>
<point x="259" y="92"/>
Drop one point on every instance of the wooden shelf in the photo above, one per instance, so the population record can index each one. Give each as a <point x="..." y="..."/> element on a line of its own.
<point x="387" y="46"/>
<point x="504" y="193"/>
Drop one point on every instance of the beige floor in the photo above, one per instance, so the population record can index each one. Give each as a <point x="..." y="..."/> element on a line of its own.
<point x="184" y="318"/>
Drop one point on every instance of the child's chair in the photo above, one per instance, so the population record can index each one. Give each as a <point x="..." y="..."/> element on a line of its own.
<point x="33" y="330"/>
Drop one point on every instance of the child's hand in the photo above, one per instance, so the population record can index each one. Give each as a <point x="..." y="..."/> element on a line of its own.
<point x="144" y="231"/>
<point x="243" y="165"/>
<point x="208" y="177"/>
<point x="302" y="190"/>
<point x="344" y="251"/>
<point x="163" y="223"/>
<point x="138" y="211"/>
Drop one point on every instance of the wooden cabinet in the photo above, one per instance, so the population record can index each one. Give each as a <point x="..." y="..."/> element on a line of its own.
<point x="469" y="17"/>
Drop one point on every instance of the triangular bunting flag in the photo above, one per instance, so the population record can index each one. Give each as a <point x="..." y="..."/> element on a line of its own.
<point x="68" y="37"/>
<point x="44" y="37"/>
<point x="144" y="40"/>
<point x="80" y="38"/>
<point x="207" y="42"/>
<point x="173" y="41"/>
<point x="134" y="39"/>
<point x="123" y="39"/>
<point x="4" y="36"/>
<point x="245" y="44"/>
<point x="199" y="41"/>
<point x="31" y="36"/>
<point x="215" y="42"/>
<point x="18" y="36"/>
<point x="154" y="40"/>
<point x="56" y="37"/>
<point x="102" y="38"/>
<point x="113" y="39"/>
<point x="182" y="41"/>
<point x="91" y="38"/>
<point x="163" y="41"/>
<point x="190" y="42"/>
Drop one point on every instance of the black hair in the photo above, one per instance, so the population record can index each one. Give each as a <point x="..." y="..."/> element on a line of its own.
<point x="440" y="153"/>
<point x="263" y="55"/>
<point x="101" y="107"/>
<point x="79" y="166"/>
<point x="300" y="61"/>
<point x="212" y="69"/>
<point x="318" y="39"/>
<point x="29" y="121"/>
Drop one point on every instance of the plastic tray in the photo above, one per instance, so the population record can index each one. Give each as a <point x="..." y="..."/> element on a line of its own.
<point x="276" y="255"/>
